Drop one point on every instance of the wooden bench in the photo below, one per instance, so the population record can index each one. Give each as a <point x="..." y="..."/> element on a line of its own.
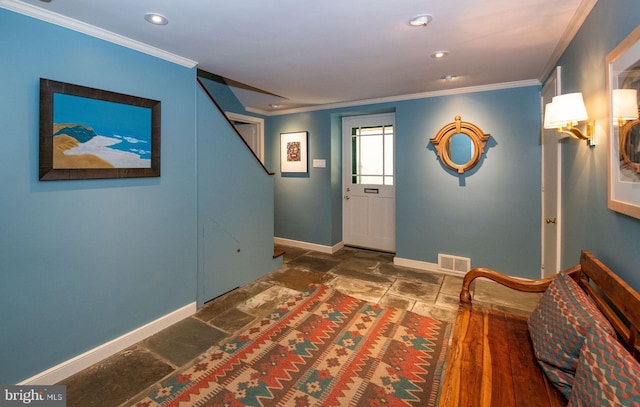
<point x="491" y="360"/>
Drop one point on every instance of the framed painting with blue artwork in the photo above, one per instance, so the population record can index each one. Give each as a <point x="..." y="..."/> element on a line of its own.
<point x="88" y="133"/>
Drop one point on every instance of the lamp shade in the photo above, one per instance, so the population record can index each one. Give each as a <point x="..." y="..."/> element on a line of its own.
<point x="549" y="122"/>
<point x="624" y="104"/>
<point x="568" y="108"/>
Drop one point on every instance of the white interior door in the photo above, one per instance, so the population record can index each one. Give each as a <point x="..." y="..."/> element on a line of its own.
<point x="551" y="187"/>
<point x="251" y="129"/>
<point x="249" y="133"/>
<point x="368" y="210"/>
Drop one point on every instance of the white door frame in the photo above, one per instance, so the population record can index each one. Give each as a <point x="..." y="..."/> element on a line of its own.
<point x="259" y="123"/>
<point x="552" y="85"/>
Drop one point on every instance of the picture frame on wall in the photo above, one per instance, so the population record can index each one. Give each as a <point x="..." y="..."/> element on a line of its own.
<point x="294" y="152"/>
<point x="623" y="73"/>
<point x="88" y="133"/>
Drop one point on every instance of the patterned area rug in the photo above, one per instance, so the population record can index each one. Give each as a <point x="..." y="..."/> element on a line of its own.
<point x="322" y="348"/>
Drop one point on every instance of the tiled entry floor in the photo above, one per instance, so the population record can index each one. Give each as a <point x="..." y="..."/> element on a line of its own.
<point x="371" y="276"/>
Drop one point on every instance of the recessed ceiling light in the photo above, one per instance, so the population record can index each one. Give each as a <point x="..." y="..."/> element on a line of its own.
<point x="448" y="77"/>
<point x="439" y="54"/>
<point x="155" y="18"/>
<point x="421" y="20"/>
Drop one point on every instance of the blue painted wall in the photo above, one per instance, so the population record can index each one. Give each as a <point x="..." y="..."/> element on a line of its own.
<point x="303" y="202"/>
<point x="83" y="262"/>
<point x="611" y="236"/>
<point x="235" y="207"/>
<point x="492" y="214"/>
<point x="86" y="261"/>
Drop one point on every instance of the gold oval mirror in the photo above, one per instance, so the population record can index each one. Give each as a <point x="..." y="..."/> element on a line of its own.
<point x="460" y="145"/>
<point x="460" y="149"/>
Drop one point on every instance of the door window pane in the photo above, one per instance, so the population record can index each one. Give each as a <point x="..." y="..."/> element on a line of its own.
<point x="372" y="155"/>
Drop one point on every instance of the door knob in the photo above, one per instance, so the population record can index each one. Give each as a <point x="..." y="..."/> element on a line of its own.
<point x="549" y="220"/>
<point x="346" y="197"/>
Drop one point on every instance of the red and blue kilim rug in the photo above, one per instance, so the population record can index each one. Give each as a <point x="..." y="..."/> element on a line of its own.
<point x="321" y="348"/>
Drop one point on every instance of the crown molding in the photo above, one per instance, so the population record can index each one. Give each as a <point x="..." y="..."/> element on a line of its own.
<point x="582" y="12"/>
<point x="79" y="26"/>
<point x="400" y="98"/>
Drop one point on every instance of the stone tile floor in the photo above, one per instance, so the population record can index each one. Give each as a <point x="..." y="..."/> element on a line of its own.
<point x="129" y="375"/>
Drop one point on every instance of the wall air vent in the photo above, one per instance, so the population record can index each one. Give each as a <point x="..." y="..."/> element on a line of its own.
<point x="453" y="264"/>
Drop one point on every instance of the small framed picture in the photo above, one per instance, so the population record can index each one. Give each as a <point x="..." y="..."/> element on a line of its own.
<point x="293" y="152"/>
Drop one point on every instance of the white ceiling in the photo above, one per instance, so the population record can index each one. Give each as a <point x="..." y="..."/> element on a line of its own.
<point x="327" y="52"/>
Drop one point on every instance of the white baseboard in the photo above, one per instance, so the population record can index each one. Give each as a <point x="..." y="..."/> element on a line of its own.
<point x="398" y="261"/>
<point x="95" y="355"/>
<point x="308" y="246"/>
<point x="423" y="265"/>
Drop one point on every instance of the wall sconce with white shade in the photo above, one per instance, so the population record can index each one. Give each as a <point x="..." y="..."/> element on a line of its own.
<point x="624" y="105"/>
<point x="564" y="112"/>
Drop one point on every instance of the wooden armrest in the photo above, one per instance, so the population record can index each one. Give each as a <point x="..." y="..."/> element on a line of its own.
<point x="520" y="284"/>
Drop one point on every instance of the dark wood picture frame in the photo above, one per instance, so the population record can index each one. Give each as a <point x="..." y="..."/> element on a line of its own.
<point x="148" y="108"/>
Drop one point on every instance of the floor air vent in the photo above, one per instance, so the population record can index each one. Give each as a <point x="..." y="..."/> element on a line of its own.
<point x="453" y="264"/>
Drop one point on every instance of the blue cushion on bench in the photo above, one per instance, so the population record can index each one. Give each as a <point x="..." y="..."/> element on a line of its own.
<point x="558" y="326"/>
